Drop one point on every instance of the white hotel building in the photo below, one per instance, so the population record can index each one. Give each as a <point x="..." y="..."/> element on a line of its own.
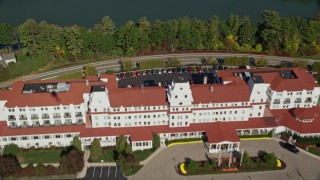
<point x="246" y="102"/>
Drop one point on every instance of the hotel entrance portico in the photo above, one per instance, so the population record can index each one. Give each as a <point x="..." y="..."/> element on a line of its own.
<point x="224" y="146"/>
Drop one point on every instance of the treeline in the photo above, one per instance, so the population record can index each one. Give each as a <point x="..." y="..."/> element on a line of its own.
<point x="273" y="34"/>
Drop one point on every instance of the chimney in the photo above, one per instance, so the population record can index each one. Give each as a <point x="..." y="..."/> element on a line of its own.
<point x="205" y="79"/>
<point x="87" y="82"/>
<point x="211" y="88"/>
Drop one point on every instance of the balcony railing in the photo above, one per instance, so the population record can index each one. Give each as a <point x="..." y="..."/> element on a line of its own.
<point x="286" y="102"/>
<point x="10" y="118"/>
<point x="67" y="116"/>
<point x="56" y="117"/>
<point x="78" y="115"/>
<point x="276" y="102"/>
<point x="22" y="118"/>
<point x="308" y="101"/>
<point x="45" y="117"/>
<point x="297" y="101"/>
<point x="34" y="117"/>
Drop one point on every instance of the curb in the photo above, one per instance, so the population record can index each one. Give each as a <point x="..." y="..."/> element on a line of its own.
<point x="192" y="142"/>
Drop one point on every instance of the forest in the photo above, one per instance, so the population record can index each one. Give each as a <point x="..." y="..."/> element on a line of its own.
<point x="38" y="44"/>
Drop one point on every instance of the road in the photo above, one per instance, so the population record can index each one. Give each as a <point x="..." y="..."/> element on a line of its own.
<point x="190" y="58"/>
<point x="299" y="166"/>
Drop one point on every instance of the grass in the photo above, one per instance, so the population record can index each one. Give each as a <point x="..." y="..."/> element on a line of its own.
<point x="314" y="151"/>
<point x="74" y="75"/>
<point x="40" y="156"/>
<point x="142" y="155"/>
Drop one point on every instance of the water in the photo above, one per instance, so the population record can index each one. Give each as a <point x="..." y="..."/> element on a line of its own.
<point x="87" y="13"/>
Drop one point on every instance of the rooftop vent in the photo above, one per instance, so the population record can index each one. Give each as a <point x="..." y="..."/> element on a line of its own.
<point x="211" y="88"/>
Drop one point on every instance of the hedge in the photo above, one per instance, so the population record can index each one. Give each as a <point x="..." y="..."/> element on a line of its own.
<point x="182" y="140"/>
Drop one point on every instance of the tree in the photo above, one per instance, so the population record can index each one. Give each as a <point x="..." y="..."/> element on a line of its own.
<point x="128" y="38"/>
<point x="72" y="162"/>
<point x="247" y="32"/>
<point x="9" y="165"/>
<point x="126" y="64"/>
<point x="316" y="66"/>
<point x="246" y="160"/>
<point x="155" y="141"/>
<point x="6" y="35"/>
<point x="261" y="62"/>
<point x="271" y="28"/>
<point x="90" y="70"/>
<point x="73" y="42"/>
<point x="11" y="150"/>
<point x="96" y="152"/>
<point x="28" y="32"/>
<point x="106" y="27"/>
<point x="213" y="34"/>
<point x="122" y="147"/>
<point x="76" y="143"/>
<point x="192" y="166"/>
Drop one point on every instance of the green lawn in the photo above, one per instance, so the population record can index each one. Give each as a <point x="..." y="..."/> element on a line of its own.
<point x="142" y="155"/>
<point x="314" y="151"/>
<point x="132" y="171"/>
<point x="40" y="156"/>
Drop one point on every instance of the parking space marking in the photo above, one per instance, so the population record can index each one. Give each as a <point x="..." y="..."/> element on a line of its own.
<point x="101" y="172"/>
<point x="115" y="175"/>
<point x="94" y="168"/>
<point x="108" y="171"/>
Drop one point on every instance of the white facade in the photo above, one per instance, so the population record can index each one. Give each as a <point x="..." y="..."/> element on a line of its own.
<point x="181" y="111"/>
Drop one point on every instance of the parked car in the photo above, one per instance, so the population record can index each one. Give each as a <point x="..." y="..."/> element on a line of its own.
<point x="144" y="73"/>
<point x="190" y="70"/>
<point x="179" y="70"/>
<point x="184" y="70"/>
<point x="164" y="71"/>
<point x="174" y="71"/>
<point x="154" y="72"/>
<point x="148" y="72"/>
<point x="138" y="73"/>
<point x="133" y="74"/>
<point x="128" y="75"/>
<point x="158" y="71"/>
<point x="118" y="76"/>
<point x="122" y="76"/>
<point x="290" y="147"/>
<point x="135" y="85"/>
<point x="199" y="69"/>
<point x="169" y="71"/>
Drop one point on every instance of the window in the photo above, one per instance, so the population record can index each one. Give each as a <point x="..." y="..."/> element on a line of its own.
<point x="24" y="138"/>
<point x="180" y="103"/>
<point x="176" y="96"/>
<point x="68" y="135"/>
<point x="185" y="96"/>
<point x="35" y="137"/>
<point x="58" y="136"/>
<point x="260" y="107"/>
<point x="46" y="137"/>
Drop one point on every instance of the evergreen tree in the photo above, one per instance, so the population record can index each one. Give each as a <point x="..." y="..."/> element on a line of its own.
<point x="76" y="143"/>
<point x="96" y="152"/>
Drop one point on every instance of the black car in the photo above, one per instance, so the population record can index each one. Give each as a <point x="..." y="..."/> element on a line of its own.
<point x="128" y="75"/>
<point x="290" y="147"/>
<point x="154" y="72"/>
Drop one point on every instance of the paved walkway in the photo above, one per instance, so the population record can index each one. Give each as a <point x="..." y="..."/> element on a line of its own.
<point x="153" y="155"/>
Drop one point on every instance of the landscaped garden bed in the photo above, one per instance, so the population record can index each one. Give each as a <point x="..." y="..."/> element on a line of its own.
<point x="263" y="162"/>
<point x="183" y="141"/>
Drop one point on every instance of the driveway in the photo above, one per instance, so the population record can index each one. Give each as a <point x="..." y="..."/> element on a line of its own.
<point x="299" y="166"/>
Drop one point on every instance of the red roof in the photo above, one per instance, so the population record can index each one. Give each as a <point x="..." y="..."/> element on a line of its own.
<point x="271" y="76"/>
<point x="232" y="92"/>
<point x="15" y="97"/>
<point x="306" y="113"/>
<point x="127" y="97"/>
<point x="285" y="118"/>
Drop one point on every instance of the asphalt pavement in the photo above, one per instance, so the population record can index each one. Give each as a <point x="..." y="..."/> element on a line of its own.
<point x="104" y="172"/>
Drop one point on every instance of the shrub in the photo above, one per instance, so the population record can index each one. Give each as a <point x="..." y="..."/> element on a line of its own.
<point x="72" y="162"/>
<point x="246" y="160"/>
<point x="270" y="159"/>
<point x="166" y="142"/>
<point x="192" y="166"/>
<point x="9" y="165"/>
<point x="11" y="150"/>
<point x="76" y="143"/>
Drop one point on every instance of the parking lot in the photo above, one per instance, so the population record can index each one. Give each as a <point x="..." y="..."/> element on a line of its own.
<point x="163" y="77"/>
<point x="104" y="172"/>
